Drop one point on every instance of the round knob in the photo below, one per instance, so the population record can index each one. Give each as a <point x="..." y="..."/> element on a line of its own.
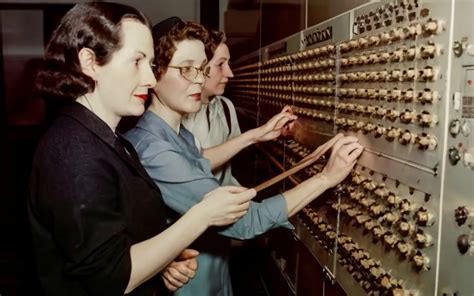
<point x="426" y="142"/>
<point x="421" y="261"/>
<point x="423" y="217"/>
<point x="405" y="227"/>
<point x="463" y="243"/>
<point x="468" y="158"/>
<point x="453" y="155"/>
<point x="390" y="239"/>
<point x="461" y="214"/>
<point x="379" y="231"/>
<point x="406" y="137"/>
<point x="422" y="239"/>
<point x="404" y="248"/>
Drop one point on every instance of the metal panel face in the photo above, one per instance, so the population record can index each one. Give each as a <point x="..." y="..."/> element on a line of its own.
<point x="457" y="237"/>
<point x="398" y="75"/>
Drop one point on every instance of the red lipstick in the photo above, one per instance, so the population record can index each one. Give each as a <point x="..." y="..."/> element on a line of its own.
<point x="196" y="96"/>
<point x="142" y="96"/>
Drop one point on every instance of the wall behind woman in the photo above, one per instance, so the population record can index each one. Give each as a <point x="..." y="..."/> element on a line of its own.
<point x="25" y="26"/>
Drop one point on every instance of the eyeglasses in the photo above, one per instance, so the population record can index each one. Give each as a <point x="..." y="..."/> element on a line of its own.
<point x="190" y="73"/>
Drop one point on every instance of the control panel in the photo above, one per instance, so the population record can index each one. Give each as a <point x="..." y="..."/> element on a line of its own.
<point x="398" y="75"/>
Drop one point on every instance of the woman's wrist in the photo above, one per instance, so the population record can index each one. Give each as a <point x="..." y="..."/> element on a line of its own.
<point x="323" y="180"/>
<point x="249" y="138"/>
<point x="200" y="215"/>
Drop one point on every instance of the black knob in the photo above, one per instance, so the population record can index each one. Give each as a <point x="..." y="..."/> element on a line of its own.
<point x="463" y="243"/>
<point x="461" y="214"/>
<point x="453" y="155"/>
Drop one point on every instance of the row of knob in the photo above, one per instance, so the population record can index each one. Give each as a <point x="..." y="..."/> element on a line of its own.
<point x="374" y="214"/>
<point x="423" y="141"/>
<point x="407" y="116"/>
<point x="360" y="186"/>
<point x="401" y="54"/>
<point x="387" y="11"/>
<point x="313" y="65"/>
<point x="367" y="271"/>
<point x="431" y="27"/>
<point x="403" y="95"/>
<point x="427" y="73"/>
<point x="380" y="191"/>
<point x="406" y="95"/>
<point x="392" y="239"/>
<point x="306" y="54"/>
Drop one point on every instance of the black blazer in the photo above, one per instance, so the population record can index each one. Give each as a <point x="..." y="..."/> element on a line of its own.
<point x="90" y="200"/>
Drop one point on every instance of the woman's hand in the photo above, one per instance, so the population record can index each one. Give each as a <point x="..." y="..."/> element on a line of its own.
<point x="343" y="158"/>
<point x="278" y="124"/>
<point x="226" y="205"/>
<point x="181" y="270"/>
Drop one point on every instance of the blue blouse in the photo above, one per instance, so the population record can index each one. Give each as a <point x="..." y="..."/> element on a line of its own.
<point x="184" y="176"/>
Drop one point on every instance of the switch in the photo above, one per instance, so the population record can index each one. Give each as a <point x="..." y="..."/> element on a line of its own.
<point x="390" y="217"/>
<point x="353" y="212"/>
<point x="393" y="199"/>
<point x="405" y="206"/>
<point x="356" y="195"/>
<point x="453" y="155"/>
<point x="409" y="95"/>
<point x="370" y="185"/>
<point x="407" y="116"/>
<point x="465" y="129"/>
<point x="362" y="43"/>
<point x="423" y="217"/>
<point x="405" y="227"/>
<point x="369" y="127"/>
<point x="468" y="158"/>
<point x="385" y="37"/>
<point x="454" y="127"/>
<point x="381" y="191"/>
<point x="422" y="262"/>
<point x="390" y="239"/>
<point x="404" y="248"/>
<point x="398" y="55"/>
<point x="412" y="53"/>
<point x="433" y="27"/>
<point x="463" y="243"/>
<point x="374" y="58"/>
<point x="425" y="141"/>
<point x="377" y="210"/>
<point x="379" y="131"/>
<point x="375" y="40"/>
<point x="428" y="73"/>
<point x="379" y="231"/>
<point x="423" y="240"/>
<point x="392" y="114"/>
<point x="427" y="119"/>
<point x="367" y="201"/>
<point x="396" y="75"/>
<point x="410" y="74"/>
<point x="427" y="96"/>
<point x="360" y="124"/>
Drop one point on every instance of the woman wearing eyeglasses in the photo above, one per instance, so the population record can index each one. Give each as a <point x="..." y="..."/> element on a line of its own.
<point x="183" y="171"/>
<point x="98" y="221"/>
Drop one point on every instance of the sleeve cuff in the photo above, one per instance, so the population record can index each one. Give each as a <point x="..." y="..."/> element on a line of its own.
<point x="277" y="206"/>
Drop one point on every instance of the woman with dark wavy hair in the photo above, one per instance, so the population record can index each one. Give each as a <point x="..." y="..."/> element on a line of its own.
<point x="175" y="161"/>
<point x="98" y="220"/>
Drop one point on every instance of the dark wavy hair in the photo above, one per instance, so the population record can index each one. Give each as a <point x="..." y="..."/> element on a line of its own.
<point x="96" y="26"/>
<point x="165" y="45"/>
<point x="215" y="39"/>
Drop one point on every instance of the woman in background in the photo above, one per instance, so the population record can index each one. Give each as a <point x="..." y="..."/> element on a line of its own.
<point x="216" y="122"/>
<point x="182" y="170"/>
<point x="98" y="221"/>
